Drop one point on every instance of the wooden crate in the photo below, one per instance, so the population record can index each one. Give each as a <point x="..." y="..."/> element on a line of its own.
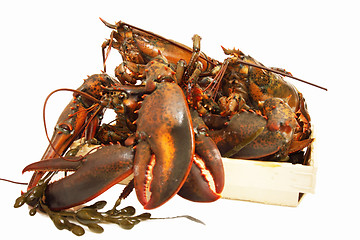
<point x="277" y="183"/>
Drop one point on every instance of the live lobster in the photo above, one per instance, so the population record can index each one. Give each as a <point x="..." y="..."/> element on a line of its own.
<point x="177" y="113"/>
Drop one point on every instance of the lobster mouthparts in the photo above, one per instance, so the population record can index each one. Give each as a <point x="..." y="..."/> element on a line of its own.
<point x="164" y="154"/>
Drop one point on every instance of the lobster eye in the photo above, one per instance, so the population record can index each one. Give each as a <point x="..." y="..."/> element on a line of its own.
<point x="64" y="128"/>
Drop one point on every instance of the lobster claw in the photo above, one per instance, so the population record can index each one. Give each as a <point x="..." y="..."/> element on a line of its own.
<point x="73" y="119"/>
<point x="166" y="145"/>
<point x="260" y="136"/>
<point x="206" y="179"/>
<point x="93" y="175"/>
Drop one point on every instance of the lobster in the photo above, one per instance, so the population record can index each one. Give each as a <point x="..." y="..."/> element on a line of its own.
<point x="178" y="112"/>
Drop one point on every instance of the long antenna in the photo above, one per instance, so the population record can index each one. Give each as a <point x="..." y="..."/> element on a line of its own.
<point x="10" y="181"/>
<point x="281" y="73"/>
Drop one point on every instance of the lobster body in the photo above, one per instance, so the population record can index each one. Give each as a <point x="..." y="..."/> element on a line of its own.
<point x="138" y="46"/>
<point x="287" y="120"/>
<point x="177" y="113"/>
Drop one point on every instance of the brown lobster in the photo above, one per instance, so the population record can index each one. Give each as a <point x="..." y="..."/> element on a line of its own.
<point x="177" y="113"/>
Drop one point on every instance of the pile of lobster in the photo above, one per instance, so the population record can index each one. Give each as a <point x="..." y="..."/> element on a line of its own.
<point x="178" y="112"/>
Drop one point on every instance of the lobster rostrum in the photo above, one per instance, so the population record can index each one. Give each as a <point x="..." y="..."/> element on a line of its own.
<point x="177" y="113"/>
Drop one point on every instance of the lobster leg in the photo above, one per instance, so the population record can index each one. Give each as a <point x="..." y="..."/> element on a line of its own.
<point x="93" y="175"/>
<point x="164" y="155"/>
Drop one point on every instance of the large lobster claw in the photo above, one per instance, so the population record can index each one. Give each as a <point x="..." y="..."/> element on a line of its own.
<point x="277" y="123"/>
<point x="93" y="175"/>
<point x="72" y="120"/>
<point x="164" y="154"/>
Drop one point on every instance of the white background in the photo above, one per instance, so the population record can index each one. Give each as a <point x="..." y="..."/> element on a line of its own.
<point x="45" y="46"/>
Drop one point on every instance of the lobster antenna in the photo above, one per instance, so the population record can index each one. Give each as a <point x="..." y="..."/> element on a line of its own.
<point x="10" y="181"/>
<point x="281" y="73"/>
<point x="44" y="118"/>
